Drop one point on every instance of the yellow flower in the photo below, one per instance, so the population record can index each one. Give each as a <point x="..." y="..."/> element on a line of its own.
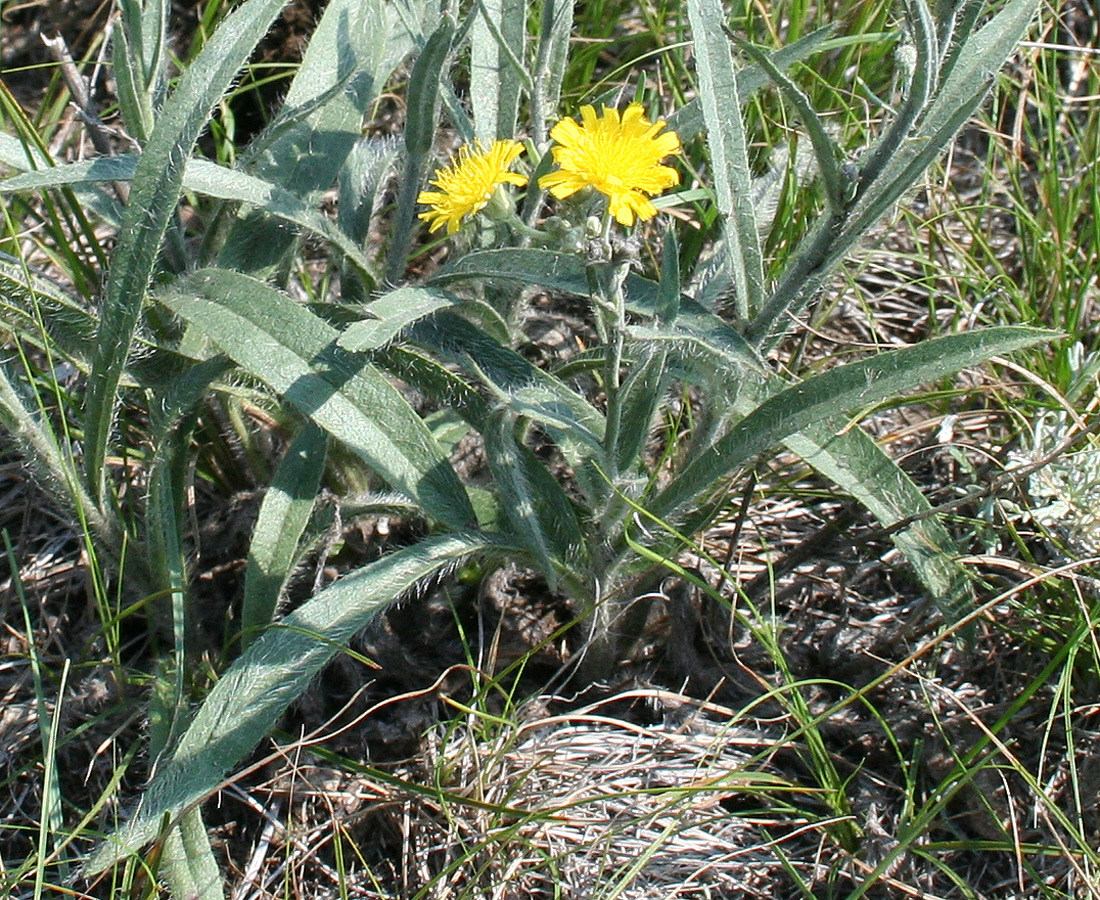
<point x="468" y="183"/>
<point x="618" y="157"/>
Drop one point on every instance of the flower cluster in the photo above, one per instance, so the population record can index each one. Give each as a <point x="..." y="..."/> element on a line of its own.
<point x="619" y="156"/>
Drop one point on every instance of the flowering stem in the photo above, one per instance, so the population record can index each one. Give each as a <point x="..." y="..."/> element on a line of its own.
<point x="606" y="279"/>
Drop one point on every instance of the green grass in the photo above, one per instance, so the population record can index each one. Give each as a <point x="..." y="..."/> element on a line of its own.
<point x="953" y="761"/>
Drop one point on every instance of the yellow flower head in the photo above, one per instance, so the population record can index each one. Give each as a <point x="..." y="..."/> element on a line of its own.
<point x="468" y="183"/>
<point x="618" y="157"/>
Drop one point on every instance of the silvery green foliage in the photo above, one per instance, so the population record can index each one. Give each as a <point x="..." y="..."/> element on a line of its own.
<point x="1064" y="493"/>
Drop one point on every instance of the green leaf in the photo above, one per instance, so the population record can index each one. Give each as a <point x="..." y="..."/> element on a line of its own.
<point x="960" y="94"/>
<point x="188" y="865"/>
<point x="251" y="696"/>
<point x="641" y="395"/>
<point x="24" y="156"/>
<point x="353" y="52"/>
<point x="203" y="177"/>
<point x="688" y="121"/>
<point x="563" y="271"/>
<point x="436" y="380"/>
<point x="548" y="73"/>
<point x="852" y="459"/>
<point x="667" y="305"/>
<point x="497" y="75"/>
<point x="362" y="183"/>
<point x="826" y="151"/>
<point x="566" y="272"/>
<point x="911" y="151"/>
<point x="45" y="315"/>
<point x="295" y="353"/>
<point x="139" y="54"/>
<point x="574" y="424"/>
<point x="152" y="203"/>
<point x="541" y="516"/>
<point x="283" y="517"/>
<point x="28" y="426"/>
<point x="425" y="84"/>
<point x="396" y="311"/>
<point x="729" y="154"/>
<point x="825" y="396"/>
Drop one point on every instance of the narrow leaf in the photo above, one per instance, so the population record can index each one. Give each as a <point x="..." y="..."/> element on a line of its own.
<point x="640" y="397"/>
<point x="729" y="153"/>
<point x="156" y="189"/>
<point x="497" y="76"/>
<point x="548" y="74"/>
<point x="282" y="519"/>
<point x="826" y="152"/>
<point x="249" y="699"/>
<point x="295" y="353"/>
<point x="952" y="105"/>
<point x="395" y="311"/>
<point x="202" y="177"/>
<point x="353" y="51"/>
<point x="852" y="459"/>
<point x="828" y="395"/>
<point x="541" y="516"/>
<point x="688" y="121"/>
<point x="667" y="304"/>
<point x="566" y="272"/>
<point x="421" y="118"/>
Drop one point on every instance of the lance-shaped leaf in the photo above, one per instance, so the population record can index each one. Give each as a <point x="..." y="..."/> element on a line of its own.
<point x="425" y="85"/>
<point x="825" y="396"/>
<point x="203" y="177"/>
<point x="282" y="519"/>
<point x="295" y="353"/>
<point x="497" y="73"/>
<point x="541" y="516"/>
<point x="566" y="272"/>
<point x="251" y="696"/>
<point x="688" y="121"/>
<point x="155" y="193"/>
<point x="353" y="52"/>
<point x="575" y="425"/>
<point x="394" y="312"/>
<point x="951" y="105"/>
<point x="729" y="153"/>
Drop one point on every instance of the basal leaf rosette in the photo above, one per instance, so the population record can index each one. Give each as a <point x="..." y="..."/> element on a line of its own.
<point x="619" y="156"/>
